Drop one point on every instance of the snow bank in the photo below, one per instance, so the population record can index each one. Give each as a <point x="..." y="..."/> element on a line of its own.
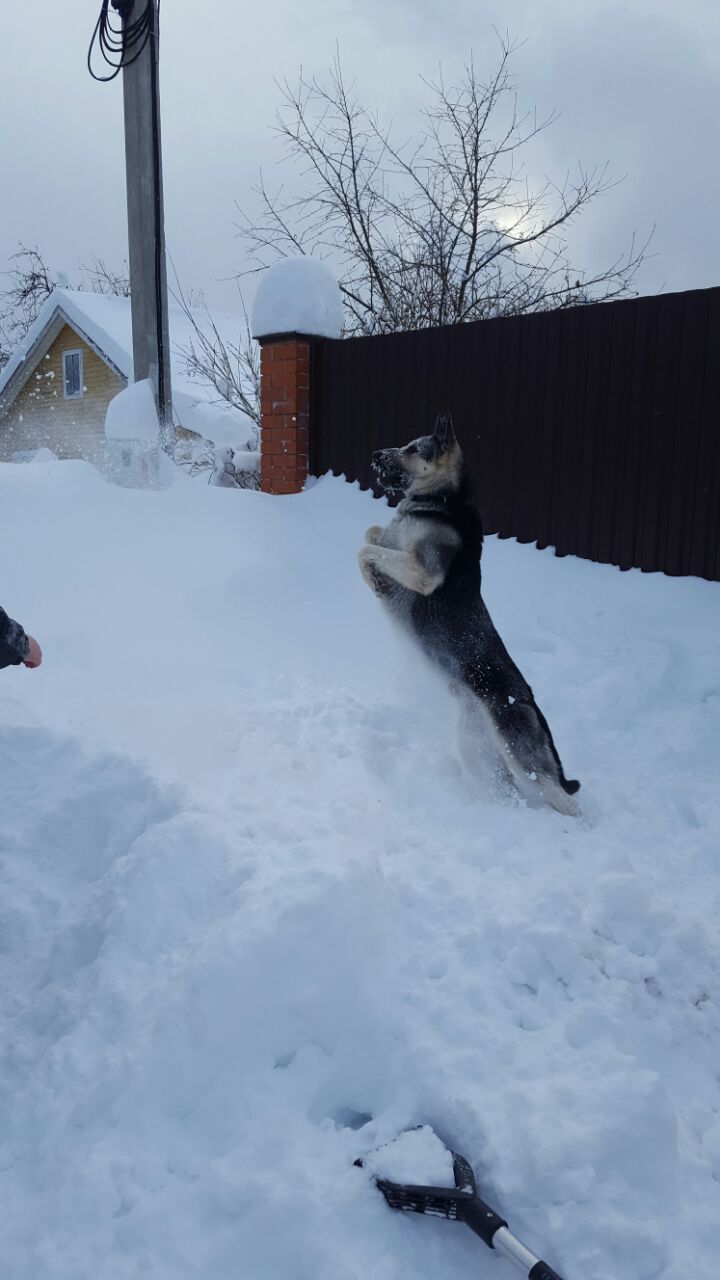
<point x="43" y="455"/>
<point x="298" y="295"/>
<point x="221" y="423"/>
<point x="256" y="919"/>
<point x="246" y="460"/>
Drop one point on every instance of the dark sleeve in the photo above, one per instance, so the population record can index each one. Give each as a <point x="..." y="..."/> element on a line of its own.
<point x="13" y="642"/>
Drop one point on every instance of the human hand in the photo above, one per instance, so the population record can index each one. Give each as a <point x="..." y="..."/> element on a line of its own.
<point x="34" y="654"/>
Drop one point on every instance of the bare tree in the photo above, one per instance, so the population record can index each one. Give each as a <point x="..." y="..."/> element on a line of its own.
<point x="99" y="278"/>
<point x="30" y="283"/>
<point x="232" y="368"/>
<point x="439" y="230"/>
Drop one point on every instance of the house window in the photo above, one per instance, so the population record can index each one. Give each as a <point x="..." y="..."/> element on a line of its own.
<point x="72" y="374"/>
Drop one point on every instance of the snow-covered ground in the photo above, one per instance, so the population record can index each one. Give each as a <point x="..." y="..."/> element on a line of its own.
<point x="255" y="919"/>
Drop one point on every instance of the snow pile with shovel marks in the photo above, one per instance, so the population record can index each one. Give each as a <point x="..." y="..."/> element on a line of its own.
<point x="256" y="919"/>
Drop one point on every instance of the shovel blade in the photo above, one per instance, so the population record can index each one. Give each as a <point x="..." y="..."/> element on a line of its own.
<point x="439" y="1202"/>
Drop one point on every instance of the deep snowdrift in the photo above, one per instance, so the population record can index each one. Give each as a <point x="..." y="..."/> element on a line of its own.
<point x="255" y="918"/>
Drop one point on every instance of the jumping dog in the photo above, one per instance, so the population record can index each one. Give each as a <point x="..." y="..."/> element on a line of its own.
<point x="425" y="567"/>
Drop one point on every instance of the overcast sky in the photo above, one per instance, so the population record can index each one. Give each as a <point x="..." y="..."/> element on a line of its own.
<point x="636" y="84"/>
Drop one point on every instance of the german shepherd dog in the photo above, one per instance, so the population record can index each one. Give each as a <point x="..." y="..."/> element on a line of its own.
<point x="425" y="567"/>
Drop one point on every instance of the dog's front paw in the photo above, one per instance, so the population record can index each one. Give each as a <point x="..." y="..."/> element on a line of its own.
<point x="377" y="581"/>
<point x="374" y="534"/>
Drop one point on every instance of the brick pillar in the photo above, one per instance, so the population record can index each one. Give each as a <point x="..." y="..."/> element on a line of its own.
<point x="284" y="413"/>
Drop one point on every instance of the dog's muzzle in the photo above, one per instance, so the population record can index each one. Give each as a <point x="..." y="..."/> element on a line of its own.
<point x="388" y="470"/>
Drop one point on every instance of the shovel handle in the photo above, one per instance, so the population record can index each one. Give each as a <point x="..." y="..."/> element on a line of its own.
<point x="527" y="1262"/>
<point x="481" y="1219"/>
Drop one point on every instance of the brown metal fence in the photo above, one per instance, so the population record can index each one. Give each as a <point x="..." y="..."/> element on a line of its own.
<point x="594" y="430"/>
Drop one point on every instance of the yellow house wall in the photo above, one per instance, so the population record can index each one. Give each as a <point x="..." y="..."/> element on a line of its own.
<point x="40" y="416"/>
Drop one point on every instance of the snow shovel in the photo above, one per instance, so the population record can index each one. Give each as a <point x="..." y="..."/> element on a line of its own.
<point x="461" y="1203"/>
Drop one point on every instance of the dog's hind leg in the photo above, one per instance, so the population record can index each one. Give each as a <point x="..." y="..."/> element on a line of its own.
<point x="524" y="740"/>
<point x="478" y="747"/>
<point x="520" y="731"/>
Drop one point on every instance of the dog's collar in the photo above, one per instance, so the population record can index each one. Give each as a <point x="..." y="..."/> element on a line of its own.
<point x="432" y="503"/>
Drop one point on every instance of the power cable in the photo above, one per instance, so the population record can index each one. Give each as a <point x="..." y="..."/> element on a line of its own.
<point x="121" y="45"/>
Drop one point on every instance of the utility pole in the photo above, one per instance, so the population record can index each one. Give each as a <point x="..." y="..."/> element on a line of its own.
<point x="146" y="219"/>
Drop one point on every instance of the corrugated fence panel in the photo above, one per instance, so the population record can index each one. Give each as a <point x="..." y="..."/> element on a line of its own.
<point x="595" y="430"/>
<point x="707" y="513"/>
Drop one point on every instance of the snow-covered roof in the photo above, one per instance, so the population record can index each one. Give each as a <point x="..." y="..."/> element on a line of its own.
<point x="104" y="322"/>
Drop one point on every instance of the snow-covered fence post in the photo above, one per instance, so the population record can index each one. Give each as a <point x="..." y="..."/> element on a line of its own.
<point x="298" y="299"/>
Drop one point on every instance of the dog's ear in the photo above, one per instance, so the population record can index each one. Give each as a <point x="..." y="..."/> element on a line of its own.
<point x="444" y="431"/>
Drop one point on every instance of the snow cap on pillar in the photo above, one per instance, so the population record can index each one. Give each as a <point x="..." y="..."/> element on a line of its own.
<point x="133" y="455"/>
<point x="298" y="295"/>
